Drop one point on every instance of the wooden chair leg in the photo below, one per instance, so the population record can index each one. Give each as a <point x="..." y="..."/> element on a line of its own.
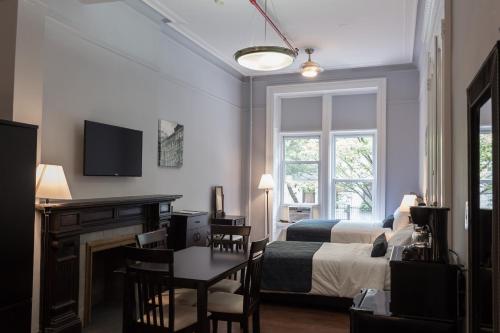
<point x="256" y="320"/>
<point x="229" y="327"/>
<point x="215" y="325"/>
<point x="244" y="325"/>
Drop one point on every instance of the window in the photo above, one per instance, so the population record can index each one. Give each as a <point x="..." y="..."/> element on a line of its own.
<point x="300" y="169"/>
<point x="354" y="176"/>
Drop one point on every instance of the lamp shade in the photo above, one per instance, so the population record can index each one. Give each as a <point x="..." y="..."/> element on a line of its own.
<point x="409" y="200"/>
<point x="51" y="182"/>
<point x="266" y="182"/>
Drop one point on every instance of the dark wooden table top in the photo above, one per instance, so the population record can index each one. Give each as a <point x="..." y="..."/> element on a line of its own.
<point x="201" y="264"/>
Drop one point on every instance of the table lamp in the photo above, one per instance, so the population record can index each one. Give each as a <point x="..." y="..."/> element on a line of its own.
<point x="266" y="183"/>
<point x="51" y="183"/>
<point x="409" y="200"/>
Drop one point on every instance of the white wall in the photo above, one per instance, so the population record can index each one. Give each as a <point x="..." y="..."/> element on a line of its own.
<point x="475" y="27"/>
<point x="107" y="62"/>
<point x="402" y="131"/>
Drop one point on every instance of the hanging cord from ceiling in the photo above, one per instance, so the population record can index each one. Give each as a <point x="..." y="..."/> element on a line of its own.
<point x="274" y="26"/>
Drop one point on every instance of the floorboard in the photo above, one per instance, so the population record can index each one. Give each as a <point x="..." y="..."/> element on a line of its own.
<point x="275" y="319"/>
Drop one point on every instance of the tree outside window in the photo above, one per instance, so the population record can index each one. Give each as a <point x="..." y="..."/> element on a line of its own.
<point x="300" y="169"/>
<point x="485" y="168"/>
<point x="353" y="176"/>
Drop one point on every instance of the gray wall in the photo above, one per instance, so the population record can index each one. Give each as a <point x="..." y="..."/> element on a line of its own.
<point x="126" y="72"/>
<point x="8" y="28"/>
<point x="475" y="29"/>
<point x="354" y="112"/>
<point x="107" y="62"/>
<point x="402" y="130"/>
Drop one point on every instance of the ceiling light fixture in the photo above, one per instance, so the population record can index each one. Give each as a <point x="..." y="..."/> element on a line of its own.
<point x="310" y="68"/>
<point x="267" y="58"/>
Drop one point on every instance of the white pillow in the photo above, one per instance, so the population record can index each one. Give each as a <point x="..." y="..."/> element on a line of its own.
<point x="401" y="220"/>
<point x="401" y="237"/>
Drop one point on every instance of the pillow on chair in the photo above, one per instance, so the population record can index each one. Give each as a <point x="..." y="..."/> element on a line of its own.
<point x="379" y="246"/>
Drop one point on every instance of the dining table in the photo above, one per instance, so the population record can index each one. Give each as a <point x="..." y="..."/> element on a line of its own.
<point x="199" y="268"/>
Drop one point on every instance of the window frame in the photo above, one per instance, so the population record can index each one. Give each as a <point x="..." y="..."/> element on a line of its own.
<point x="333" y="180"/>
<point x="283" y="164"/>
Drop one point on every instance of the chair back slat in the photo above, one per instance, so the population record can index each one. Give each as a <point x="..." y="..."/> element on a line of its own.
<point x="254" y="274"/>
<point x="224" y="237"/>
<point x="144" y="308"/>
<point x="152" y="239"/>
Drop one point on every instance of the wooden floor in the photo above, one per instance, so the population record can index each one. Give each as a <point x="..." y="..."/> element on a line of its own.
<point x="274" y="319"/>
<point x="278" y="319"/>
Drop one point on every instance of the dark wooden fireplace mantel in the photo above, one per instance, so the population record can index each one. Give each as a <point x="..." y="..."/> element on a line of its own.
<point x="63" y="223"/>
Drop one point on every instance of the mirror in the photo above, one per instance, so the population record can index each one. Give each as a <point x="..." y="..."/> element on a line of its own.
<point x="485" y="157"/>
<point x="483" y="101"/>
<point x="219" y="201"/>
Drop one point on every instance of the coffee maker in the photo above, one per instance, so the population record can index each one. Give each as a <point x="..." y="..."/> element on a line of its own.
<point x="430" y="238"/>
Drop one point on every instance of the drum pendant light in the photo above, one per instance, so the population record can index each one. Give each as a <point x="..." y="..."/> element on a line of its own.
<point x="266" y="58"/>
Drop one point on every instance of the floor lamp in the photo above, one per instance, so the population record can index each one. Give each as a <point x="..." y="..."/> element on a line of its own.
<point x="266" y="183"/>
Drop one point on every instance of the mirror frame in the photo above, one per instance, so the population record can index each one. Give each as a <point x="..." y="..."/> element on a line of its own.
<point x="219" y="211"/>
<point x="485" y="85"/>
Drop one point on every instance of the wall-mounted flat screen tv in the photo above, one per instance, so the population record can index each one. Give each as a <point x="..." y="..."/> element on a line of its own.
<point x="112" y="151"/>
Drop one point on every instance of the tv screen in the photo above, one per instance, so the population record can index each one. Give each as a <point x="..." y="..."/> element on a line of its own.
<point x="112" y="151"/>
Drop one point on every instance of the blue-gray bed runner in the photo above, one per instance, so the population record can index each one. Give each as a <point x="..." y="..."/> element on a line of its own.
<point x="311" y="231"/>
<point x="288" y="266"/>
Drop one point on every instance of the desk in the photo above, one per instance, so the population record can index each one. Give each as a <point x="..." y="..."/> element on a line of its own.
<point x="229" y="220"/>
<point x="200" y="268"/>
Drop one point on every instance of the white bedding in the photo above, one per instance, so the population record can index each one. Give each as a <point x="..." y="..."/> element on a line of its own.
<point x="351" y="232"/>
<point x="342" y="270"/>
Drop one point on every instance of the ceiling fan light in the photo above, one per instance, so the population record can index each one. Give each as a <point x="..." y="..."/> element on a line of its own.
<point x="265" y="58"/>
<point x="310" y="69"/>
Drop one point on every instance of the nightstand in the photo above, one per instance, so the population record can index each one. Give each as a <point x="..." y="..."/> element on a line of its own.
<point x="188" y="229"/>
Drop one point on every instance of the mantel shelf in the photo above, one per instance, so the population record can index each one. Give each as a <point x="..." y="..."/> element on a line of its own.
<point x="113" y="201"/>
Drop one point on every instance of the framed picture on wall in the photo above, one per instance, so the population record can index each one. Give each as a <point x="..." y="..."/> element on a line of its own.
<point x="170" y="144"/>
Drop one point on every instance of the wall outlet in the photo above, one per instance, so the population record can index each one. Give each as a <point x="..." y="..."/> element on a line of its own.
<point x="466" y="215"/>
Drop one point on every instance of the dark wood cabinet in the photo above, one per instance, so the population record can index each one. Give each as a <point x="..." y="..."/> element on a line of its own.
<point x="17" y="217"/>
<point x="229" y="220"/>
<point x="425" y="297"/>
<point x="188" y="229"/>
<point x="426" y="289"/>
<point x="370" y="314"/>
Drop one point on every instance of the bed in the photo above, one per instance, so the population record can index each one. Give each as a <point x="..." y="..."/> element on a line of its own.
<point x="330" y="274"/>
<point x="333" y="231"/>
<point x="323" y="269"/>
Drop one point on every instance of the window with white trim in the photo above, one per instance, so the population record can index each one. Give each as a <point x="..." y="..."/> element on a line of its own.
<point x="354" y="175"/>
<point x="300" y="165"/>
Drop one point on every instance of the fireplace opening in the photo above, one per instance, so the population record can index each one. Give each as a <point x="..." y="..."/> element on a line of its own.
<point x="104" y="285"/>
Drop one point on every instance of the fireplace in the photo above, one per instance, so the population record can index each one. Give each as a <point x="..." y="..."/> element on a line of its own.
<point x="102" y="257"/>
<point x="72" y="229"/>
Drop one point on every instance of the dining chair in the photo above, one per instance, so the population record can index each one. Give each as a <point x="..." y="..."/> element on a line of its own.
<point x="144" y="309"/>
<point x="229" y="238"/>
<point x="231" y="307"/>
<point x="153" y="239"/>
<point x="158" y="240"/>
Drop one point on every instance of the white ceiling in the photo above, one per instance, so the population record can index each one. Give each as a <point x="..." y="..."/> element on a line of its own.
<point x="345" y="33"/>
